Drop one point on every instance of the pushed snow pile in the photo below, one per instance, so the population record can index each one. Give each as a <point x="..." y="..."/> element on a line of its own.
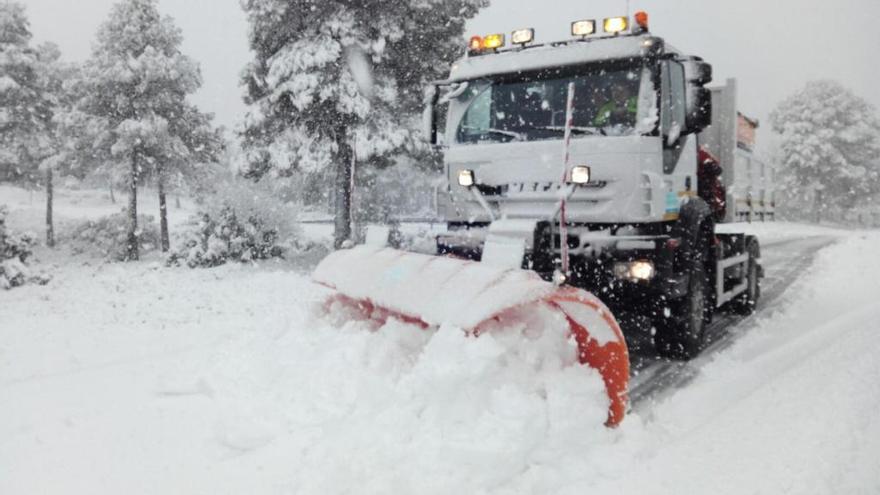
<point x="381" y="284"/>
<point x="415" y="407"/>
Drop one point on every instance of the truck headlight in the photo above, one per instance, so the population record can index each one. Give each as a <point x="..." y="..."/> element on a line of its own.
<point x="580" y="175"/>
<point x="638" y="271"/>
<point x="466" y="178"/>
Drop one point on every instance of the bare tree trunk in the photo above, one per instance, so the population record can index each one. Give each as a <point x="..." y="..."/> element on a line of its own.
<point x="343" y="189"/>
<point x="50" y="196"/>
<point x="112" y="196"/>
<point x="163" y="213"/>
<point x="818" y="206"/>
<point x="131" y="252"/>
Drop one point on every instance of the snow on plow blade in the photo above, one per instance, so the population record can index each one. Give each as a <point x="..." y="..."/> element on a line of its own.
<point x="430" y="291"/>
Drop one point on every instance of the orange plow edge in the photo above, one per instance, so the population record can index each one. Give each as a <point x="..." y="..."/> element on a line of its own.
<point x="430" y="291"/>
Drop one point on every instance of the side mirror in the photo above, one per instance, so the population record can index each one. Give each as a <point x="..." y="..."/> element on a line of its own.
<point x="699" y="109"/>
<point x="697" y="74"/>
<point x="696" y="71"/>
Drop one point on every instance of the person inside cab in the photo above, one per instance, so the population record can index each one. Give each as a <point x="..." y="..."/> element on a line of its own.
<point x="620" y="109"/>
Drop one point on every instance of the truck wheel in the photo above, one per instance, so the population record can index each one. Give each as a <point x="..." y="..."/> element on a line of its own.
<point x="682" y="335"/>
<point x="745" y="303"/>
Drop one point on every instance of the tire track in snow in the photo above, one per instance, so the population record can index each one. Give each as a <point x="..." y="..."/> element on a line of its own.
<point x="657" y="377"/>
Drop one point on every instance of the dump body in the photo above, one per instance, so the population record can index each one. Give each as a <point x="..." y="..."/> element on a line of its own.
<point x="749" y="180"/>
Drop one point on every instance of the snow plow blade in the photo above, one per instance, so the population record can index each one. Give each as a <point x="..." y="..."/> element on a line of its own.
<point x="429" y="291"/>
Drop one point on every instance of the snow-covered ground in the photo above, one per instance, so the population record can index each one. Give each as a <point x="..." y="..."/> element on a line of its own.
<point x="135" y="378"/>
<point x="27" y="208"/>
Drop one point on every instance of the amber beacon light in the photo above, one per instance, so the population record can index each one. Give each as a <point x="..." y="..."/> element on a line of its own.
<point x="641" y="19"/>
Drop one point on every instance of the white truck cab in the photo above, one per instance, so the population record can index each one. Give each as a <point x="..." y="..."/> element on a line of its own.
<point x="506" y="122"/>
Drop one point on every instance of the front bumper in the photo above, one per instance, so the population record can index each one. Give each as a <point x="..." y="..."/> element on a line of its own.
<point x="594" y="251"/>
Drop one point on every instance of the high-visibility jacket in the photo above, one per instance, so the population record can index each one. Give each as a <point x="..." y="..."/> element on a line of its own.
<point x="603" y="116"/>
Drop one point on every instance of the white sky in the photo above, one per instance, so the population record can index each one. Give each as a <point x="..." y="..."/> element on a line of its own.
<point x="771" y="46"/>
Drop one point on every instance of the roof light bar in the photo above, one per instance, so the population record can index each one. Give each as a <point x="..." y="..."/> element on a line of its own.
<point x="583" y="28"/>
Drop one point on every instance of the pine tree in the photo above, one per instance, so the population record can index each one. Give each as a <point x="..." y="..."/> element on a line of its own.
<point x="59" y="135"/>
<point x="830" y="147"/>
<point x="336" y="75"/>
<point x="135" y="86"/>
<point x="24" y="108"/>
<point x="196" y="143"/>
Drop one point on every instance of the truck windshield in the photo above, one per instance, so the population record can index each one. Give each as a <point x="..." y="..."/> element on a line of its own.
<point x="534" y="108"/>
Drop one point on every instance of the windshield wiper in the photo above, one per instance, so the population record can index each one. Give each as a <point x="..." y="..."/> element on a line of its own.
<point x="501" y="132"/>
<point x="588" y="131"/>
<point x="515" y="135"/>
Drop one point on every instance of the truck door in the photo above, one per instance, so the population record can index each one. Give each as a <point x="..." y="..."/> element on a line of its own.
<point x="679" y="149"/>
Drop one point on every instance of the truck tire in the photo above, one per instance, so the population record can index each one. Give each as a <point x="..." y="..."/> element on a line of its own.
<point x="746" y="303"/>
<point x="683" y="333"/>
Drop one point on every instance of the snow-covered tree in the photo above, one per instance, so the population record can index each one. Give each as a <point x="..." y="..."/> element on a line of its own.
<point x="24" y="108"/>
<point x="829" y="148"/>
<point x="336" y="77"/>
<point x="135" y="88"/>
<point x="51" y="74"/>
<point x="202" y="146"/>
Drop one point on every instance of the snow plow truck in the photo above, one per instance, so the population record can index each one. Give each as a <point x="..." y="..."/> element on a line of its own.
<point x="585" y="179"/>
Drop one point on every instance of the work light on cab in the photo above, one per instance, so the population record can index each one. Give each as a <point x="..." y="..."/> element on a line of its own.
<point x="615" y="25"/>
<point x="493" y="41"/>
<point x="522" y="36"/>
<point x="583" y="28"/>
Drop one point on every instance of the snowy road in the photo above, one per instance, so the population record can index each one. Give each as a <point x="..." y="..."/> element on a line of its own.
<point x="655" y="377"/>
